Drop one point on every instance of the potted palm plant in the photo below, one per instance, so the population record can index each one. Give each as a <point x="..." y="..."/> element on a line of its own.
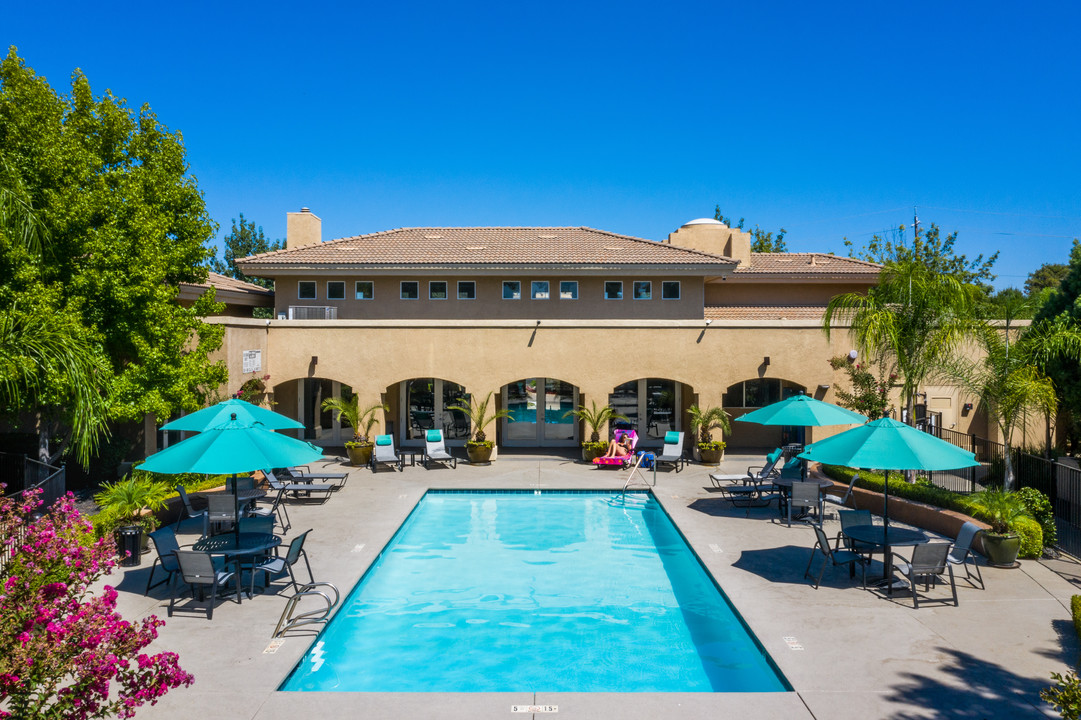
<point x="359" y="449"/>
<point x="1000" y="509"/>
<point x="594" y="417"/>
<point x="479" y="449"/>
<point x="704" y="420"/>
<point x="129" y="506"/>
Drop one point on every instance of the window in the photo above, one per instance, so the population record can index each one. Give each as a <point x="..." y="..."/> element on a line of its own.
<point x="568" y="290"/>
<point x="643" y="290"/>
<point x="760" y="392"/>
<point x="336" y="290"/>
<point x="670" y="290"/>
<point x="306" y="290"/>
<point x="467" y="290"/>
<point x="365" y="289"/>
<point x="410" y="290"/>
<point x="512" y="290"/>
<point x="613" y="290"/>
<point x="437" y="290"/>
<point x="539" y="290"/>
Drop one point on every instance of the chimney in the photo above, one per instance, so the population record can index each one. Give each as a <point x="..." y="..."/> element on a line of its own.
<point x="714" y="237"/>
<point x="302" y="228"/>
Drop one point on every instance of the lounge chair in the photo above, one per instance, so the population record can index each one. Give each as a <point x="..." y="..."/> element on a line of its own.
<point x="752" y="492"/>
<point x="299" y="491"/>
<point x="303" y="474"/>
<point x="383" y="453"/>
<point x="435" y="450"/>
<point x="672" y="453"/>
<point x="836" y="557"/>
<point x="756" y="473"/>
<point x="927" y="565"/>
<point x="792" y="469"/>
<point x="621" y="460"/>
<point x="961" y="552"/>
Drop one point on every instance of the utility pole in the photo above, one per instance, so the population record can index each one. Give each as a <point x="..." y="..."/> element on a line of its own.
<point x="915" y="225"/>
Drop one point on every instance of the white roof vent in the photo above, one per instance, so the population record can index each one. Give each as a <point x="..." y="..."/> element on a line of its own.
<point x="703" y="221"/>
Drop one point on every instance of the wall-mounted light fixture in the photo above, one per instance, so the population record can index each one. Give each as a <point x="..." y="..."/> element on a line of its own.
<point x="765" y="361"/>
<point x="315" y="359"/>
<point x="967" y="407"/>
<point x="852" y="355"/>
<point x="823" y="387"/>
<point x="709" y="321"/>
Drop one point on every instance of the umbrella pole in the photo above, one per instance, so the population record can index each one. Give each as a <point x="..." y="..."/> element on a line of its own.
<point x="236" y="513"/>
<point x="886" y="503"/>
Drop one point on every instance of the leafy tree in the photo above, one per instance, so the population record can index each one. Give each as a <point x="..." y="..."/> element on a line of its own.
<point x="704" y="420"/>
<point x="125" y="224"/>
<point x="1000" y="304"/>
<point x="930" y="250"/>
<point x="870" y="394"/>
<point x="761" y="241"/>
<point x="244" y="240"/>
<point x="913" y="319"/>
<point x="1064" y="306"/>
<point x="1048" y="275"/>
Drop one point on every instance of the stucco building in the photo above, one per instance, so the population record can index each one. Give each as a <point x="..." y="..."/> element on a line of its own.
<point x="546" y="318"/>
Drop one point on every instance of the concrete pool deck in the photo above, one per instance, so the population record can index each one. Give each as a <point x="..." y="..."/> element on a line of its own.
<point x="848" y="654"/>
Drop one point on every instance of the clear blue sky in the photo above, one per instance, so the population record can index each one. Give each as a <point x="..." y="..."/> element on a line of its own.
<point x="829" y="119"/>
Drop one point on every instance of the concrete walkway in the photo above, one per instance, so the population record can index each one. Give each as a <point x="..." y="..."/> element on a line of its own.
<point x="849" y="654"/>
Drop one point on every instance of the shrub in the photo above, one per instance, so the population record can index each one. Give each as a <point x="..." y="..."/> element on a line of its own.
<point x="1064" y="695"/>
<point x="1039" y="506"/>
<point x="1075" y="610"/>
<point x="1031" y="537"/>
<point x="920" y="491"/>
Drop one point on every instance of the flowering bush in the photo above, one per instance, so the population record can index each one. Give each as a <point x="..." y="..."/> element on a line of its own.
<point x="61" y="646"/>
<point x="252" y="389"/>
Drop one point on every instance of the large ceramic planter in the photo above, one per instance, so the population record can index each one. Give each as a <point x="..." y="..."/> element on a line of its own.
<point x="359" y="455"/>
<point x="589" y="453"/>
<point x="711" y="457"/>
<point x="479" y="454"/>
<point x="1001" y="550"/>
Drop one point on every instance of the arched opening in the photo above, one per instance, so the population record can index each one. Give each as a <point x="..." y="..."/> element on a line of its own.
<point x="538" y="410"/>
<point x="746" y="395"/>
<point x="303" y="400"/>
<point x="426" y="404"/>
<point x="652" y="406"/>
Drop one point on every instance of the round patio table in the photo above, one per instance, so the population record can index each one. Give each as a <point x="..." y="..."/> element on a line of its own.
<point x="886" y="538"/>
<point x="236" y="546"/>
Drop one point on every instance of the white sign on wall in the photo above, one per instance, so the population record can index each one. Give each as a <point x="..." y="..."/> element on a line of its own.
<point x="253" y="361"/>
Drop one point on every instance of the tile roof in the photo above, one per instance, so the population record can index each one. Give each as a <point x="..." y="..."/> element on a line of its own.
<point x="815" y="264"/>
<point x="772" y="312"/>
<point x="488" y="247"/>
<point x="223" y="282"/>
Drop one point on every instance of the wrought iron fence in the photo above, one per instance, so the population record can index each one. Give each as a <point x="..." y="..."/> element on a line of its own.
<point x="20" y="473"/>
<point x="1060" y="482"/>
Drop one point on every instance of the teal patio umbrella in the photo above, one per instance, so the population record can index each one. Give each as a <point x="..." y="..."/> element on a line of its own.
<point x="802" y="411"/>
<point x="231" y="448"/>
<point x="244" y="411"/>
<point x="887" y="445"/>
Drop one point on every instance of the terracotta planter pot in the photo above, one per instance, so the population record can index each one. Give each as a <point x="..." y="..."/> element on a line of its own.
<point x="478" y="454"/>
<point x="360" y="455"/>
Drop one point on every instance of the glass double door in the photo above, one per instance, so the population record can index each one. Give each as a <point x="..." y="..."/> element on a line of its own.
<point x="538" y="410"/>
<point x="427" y="404"/>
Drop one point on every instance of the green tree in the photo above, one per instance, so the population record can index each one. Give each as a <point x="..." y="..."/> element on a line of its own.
<point x="243" y="240"/>
<point x="1064" y="306"/>
<point x="126" y="225"/>
<point x="913" y="319"/>
<point x="1008" y="378"/>
<point x="761" y="241"/>
<point x="1048" y="275"/>
<point x="870" y="394"/>
<point x="929" y="249"/>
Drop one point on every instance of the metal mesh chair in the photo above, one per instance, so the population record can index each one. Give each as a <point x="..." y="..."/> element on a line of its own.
<point x="199" y="571"/>
<point x="961" y="552"/>
<point x="927" y="565"/>
<point x="834" y="557"/>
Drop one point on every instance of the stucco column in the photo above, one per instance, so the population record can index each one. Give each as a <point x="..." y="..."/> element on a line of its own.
<point x="587" y="395"/>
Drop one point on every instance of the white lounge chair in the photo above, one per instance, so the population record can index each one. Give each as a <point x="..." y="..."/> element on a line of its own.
<point x="757" y="474"/>
<point x="383" y="453"/>
<point x="435" y="449"/>
<point x="673" y="450"/>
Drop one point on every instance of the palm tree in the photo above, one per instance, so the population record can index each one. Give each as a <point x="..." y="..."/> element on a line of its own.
<point x="1009" y="378"/>
<point x="705" y="420"/>
<point x="595" y="417"/>
<point x="914" y="319"/>
<point x="360" y="420"/>
<point x="479" y="417"/>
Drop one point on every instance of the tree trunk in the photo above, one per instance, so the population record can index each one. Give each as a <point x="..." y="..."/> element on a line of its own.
<point x="1009" y="481"/>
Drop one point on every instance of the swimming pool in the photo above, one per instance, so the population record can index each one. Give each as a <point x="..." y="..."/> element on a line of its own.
<point x="524" y="591"/>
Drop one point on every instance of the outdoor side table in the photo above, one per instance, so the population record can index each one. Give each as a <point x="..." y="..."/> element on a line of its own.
<point x="235" y="546"/>
<point x="886" y="538"/>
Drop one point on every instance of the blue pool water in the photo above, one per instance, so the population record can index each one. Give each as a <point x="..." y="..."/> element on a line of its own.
<point x="505" y="591"/>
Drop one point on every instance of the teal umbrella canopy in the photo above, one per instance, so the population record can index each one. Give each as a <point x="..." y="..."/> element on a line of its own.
<point x="222" y="413"/>
<point x="802" y="410"/>
<point x="232" y="447"/>
<point x="886" y="444"/>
